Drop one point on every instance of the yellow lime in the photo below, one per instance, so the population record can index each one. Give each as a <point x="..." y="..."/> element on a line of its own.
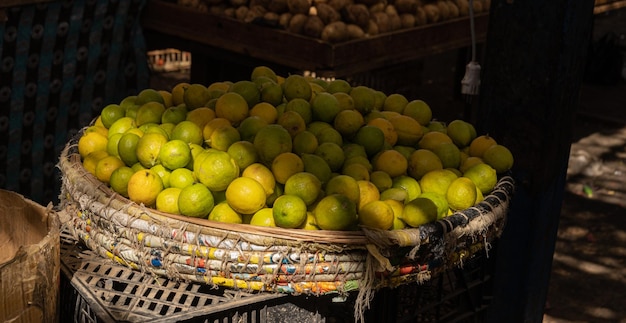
<point x="438" y="126"/>
<point x="163" y="172"/>
<point x="408" y="129"/>
<point x="296" y="86"/>
<point x="370" y="137"/>
<point x="261" y="174"/>
<point x="112" y="145"/>
<point x="148" y="95"/>
<point x="461" y="194"/>
<point x="432" y="139"/>
<point x="364" y="98"/>
<point x="302" y="107"/>
<point x="329" y="134"/>
<point x="480" y="144"/>
<point x="181" y="178"/>
<point x="263" y="71"/>
<point x="106" y="166"/>
<point x="440" y="202"/>
<point x="325" y="107"/>
<point x="335" y="212"/>
<point x="357" y="171"/>
<point x="348" y="122"/>
<point x="292" y="121"/>
<point x="376" y="214"/>
<point x="272" y="93"/>
<point x="200" y="116"/>
<point x="188" y="132"/>
<point x="196" y="96"/>
<point x="368" y="192"/>
<point x="391" y="162"/>
<point x="144" y="186"/>
<point x="304" y="143"/>
<point x="271" y="141"/>
<point x="243" y="152"/>
<point x="460" y="133"/>
<point x="483" y="175"/>
<point x="344" y="185"/>
<point x="423" y="161"/>
<point x="175" y="154"/>
<point x="265" y="111"/>
<point x="119" y="180"/>
<point x="395" y="102"/>
<point x="397" y="207"/>
<point x="304" y="185"/>
<point x="174" y="114"/>
<point x="248" y="90"/>
<point x="177" y="93"/>
<point x="418" y="110"/>
<point x="289" y="211"/>
<point x="449" y="154"/>
<point x="310" y="223"/>
<point x="437" y="181"/>
<point x="499" y="157"/>
<point x="419" y="211"/>
<point x="223" y="137"/>
<point x="409" y="184"/>
<point x="223" y="212"/>
<point x="381" y="179"/>
<point x="150" y="112"/>
<point x="263" y="218"/>
<point x="215" y="169"/>
<point x="285" y="165"/>
<point x="110" y="114"/>
<point x="470" y="162"/>
<point x="245" y="195"/>
<point x="332" y="154"/>
<point x="195" y="201"/>
<point x="127" y="148"/>
<point x="90" y="142"/>
<point x="167" y="200"/>
<point x="338" y="85"/>
<point x="148" y="147"/>
<point x="346" y="102"/>
<point x="394" y="193"/>
<point x="391" y="136"/>
<point x="317" y="166"/>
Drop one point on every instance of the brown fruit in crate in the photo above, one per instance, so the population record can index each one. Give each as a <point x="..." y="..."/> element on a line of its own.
<point x="378" y="7"/>
<point x="238" y="3"/>
<point x="463" y="6"/>
<point x="313" y="27"/>
<point x="367" y="2"/>
<point x="444" y="10"/>
<point x="407" y="20"/>
<point x="420" y="16"/>
<point x="298" y="6"/>
<point x="339" y="4"/>
<point x="432" y="13"/>
<point x="241" y="12"/>
<point x="354" y="32"/>
<point x="327" y="13"/>
<point x="357" y="14"/>
<point x="454" y="10"/>
<point x="382" y="21"/>
<point x="478" y="6"/>
<point x="372" y="28"/>
<point x="394" y="21"/>
<point x="278" y="6"/>
<point x="406" y="6"/>
<point x="296" y="23"/>
<point x="271" y="18"/>
<point x="284" y="19"/>
<point x="335" y="32"/>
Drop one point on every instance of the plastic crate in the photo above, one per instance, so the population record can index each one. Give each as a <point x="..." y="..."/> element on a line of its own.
<point x="169" y="60"/>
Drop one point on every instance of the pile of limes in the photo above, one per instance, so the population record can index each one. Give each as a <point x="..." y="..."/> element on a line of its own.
<point x="292" y="152"/>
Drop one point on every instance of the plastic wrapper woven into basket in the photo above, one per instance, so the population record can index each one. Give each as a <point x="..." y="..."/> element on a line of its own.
<point x="262" y="259"/>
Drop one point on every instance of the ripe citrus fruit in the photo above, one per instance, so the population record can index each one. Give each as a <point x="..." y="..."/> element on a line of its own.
<point x="335" y="212"/>
<point x="432" y="139"/>
<point x="357" y="171"/>
<point x="351" y="149"/>
<point x="423" y="161"/>
<point x="317" y="166"/>
<point x="196" y="96"/>
<point x="346" y="102"/>
<point x="391" y="162"/>
<point x="310" y="223"/>
<point x="272" y="93"/>
<point x="223" y="137"/>
<point x="231" y="106"/>
<point x="408" y="129"/>
<point x="119" y="180"/>
<point x="460" y="133"/>
<point x="210" y="126"/>
<point x="189" y="132"/>
<point x="263" y="218"/>
<point x="338" y="85"/>
<point x="195" y="201"/>
<point x="181" y="178"/>
<point x="177" y="93"/>
<point x="344" y="185"/>
<point x="200" y="116"/>
<point x="90" y="142"/>
<point x="296" y="86"/>
<point x="148" y="147"/>
<point x="332" y="154"/>
<point x="461" y="194"/>
<point x="264" y="111"/>
<point x="174" y="114"/>
<point x="175" y="154"/>
<point x="302" y="107"/>
<point x="264" y="71"/>
<point x="223" y="212"/>
<point x="304" y="185"/>
<point x="437" y="181"/>
<point x="112" y="144"/>
<point x="397" y="207"/>
<point x="418" y="110"/>
<point x="480" y="144"/>
<point x="470" y="162"/>
<point x="449" y="154"/>
<point x="395" y="102"/>
<point x="292" y="121"/>
<point x="285" y="165"/>
<point x="249" y="127"/>
<point x="328" y="134"/>
<point x="106" y="166"/>
<point x="325" y="107"/>
<point x="364" y="98"/>
<point x="243" y="152"/>
<point x="111" y="113"/>
<point x="419" y="211"/>
<point x="163" y="172"/>
<point x="144" y="186"/>
<point x="261" y="174"/>
<point x="348" y="122"/>
<point x="248" y="90"/>
<point x="440" y="202"/>
<point x="394" y="193"/>
<point x="376" y="214"/>
<point x="271" y="141"/>
<point x="391" y="136"/>
<point x="381" y="179"/>
<point x="368" y="192"/>
<point x="289" y="211"/>
<point x="148" y="95"/>
<point x="499" y="157"/>
<point x="484" y="176"/>
<point x="167" y="200"/>
<point x="409" y="184"/>
<point x="215" y="169"/>
<point x="150" y="112"/>
<point x="127" y="148"/>
<point x="370" y="137"/>
<point x="304" y="143"/>
<point x="245" y="195"/>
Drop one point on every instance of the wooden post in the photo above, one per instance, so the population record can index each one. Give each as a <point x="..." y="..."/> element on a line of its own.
<point x="532" y="73"/>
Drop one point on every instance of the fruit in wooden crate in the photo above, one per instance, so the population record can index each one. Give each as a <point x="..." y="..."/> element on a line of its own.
<point x="311" y="161"/>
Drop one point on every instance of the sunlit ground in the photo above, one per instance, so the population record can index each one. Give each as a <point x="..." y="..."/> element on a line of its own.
<point x="588" y="282"/>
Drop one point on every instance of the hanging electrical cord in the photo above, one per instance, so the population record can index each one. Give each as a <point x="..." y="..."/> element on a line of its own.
<point x="470" y="84"/>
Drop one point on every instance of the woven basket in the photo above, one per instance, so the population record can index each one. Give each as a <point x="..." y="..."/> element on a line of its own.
<point x="252" y="258"/>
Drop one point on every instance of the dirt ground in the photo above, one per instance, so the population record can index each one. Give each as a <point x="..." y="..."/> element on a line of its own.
<point x="588" y="281"/>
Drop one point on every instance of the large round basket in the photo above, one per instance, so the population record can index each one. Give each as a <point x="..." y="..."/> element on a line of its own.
<point x="252" y="258"/>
